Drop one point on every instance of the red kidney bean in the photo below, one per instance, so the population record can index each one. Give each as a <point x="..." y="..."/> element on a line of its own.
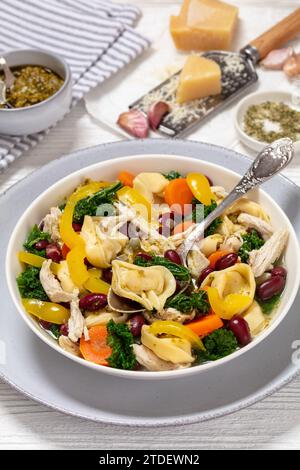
<point x="226" y="261"/>
<point x="240" y="329"/>
<point x="167" y="223"/>
<point x="144" y="256"/>
<point x="270" y="287"/>
<point x="53" y="252"/>
<point x="76" y="227"/>
<point x="173" y="256"/>
<point x="41" y="245"/>
<point x="93" y="302"/>
<point x="107" y="275"/>
<point x="64" y="329"/>
<point x="45" y="324"/>
<point x="279" y="271"/>
<point x="204" y="274"/>
<point x="135" y="324"/>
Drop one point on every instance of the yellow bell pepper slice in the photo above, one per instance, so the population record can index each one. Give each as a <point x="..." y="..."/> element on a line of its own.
<point x="67" y="233"/>
<point x="36" y="260"/>
<point x="173" y="328"/>
<point x="200" y="188"/>
<point x="97" y="286"/>
<point x="132" y="198"/>
<point x="47" y="311"/>
<point x="77" y="268"/>
<point x="229" y="306"/>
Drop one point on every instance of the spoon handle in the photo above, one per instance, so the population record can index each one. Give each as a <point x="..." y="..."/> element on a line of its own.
<point x="270" y="161"/>
<point x="9" y="76"/>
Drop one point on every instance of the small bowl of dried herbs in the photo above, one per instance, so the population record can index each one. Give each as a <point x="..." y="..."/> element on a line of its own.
<point x="263" y="117"/>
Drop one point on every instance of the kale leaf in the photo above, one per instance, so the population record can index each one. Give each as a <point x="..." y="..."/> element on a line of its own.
<point x="34" y="236"/>
<point x="181" y="273"/>
<point x="201" y="211"/>
<point x="55" y="330"/>
<point x="218" y="344"/>
<point x="251" y="241"/>
<point x="120" y="340"/>
<point x="172" y="175"/>
<point x="186" y="303"/>
<point x="268" y="306"/>
<point x="89" y="205"/>
<point x="29" y="284"/>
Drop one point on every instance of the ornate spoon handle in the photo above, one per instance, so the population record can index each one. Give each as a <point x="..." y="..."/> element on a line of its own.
<point x="270" y="161"/>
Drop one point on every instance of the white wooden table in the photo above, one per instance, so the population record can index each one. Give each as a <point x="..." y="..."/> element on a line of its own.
<point x="272" y="423"/>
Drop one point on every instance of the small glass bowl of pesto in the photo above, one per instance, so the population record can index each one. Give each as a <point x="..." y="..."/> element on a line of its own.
<point x="265" y="116"/>
<point x="41" y="94"/>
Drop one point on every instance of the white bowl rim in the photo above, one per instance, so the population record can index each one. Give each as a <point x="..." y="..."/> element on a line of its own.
<point x="250" y="99"/>
<point x="144" y="374"/>
<point x="66" y="83"/>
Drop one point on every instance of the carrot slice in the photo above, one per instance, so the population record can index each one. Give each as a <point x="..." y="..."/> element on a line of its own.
<point x="65" y="250"/>
<point x="96" y="349"/>
<point x="178" y="193"/>
<point x="126" y="178"/>
<point x="205" y="325"/>
<point x="183" y="226"/>
<point x="214" y="257"/>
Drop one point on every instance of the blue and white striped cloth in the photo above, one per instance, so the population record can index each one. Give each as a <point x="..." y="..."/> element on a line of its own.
<point x="96" y="37"/>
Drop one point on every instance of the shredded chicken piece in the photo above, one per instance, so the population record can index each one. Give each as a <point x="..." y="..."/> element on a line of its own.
<point x="196" y="261"/>
<point x="152" y="362"/>
<point x="68" y="345"/>
<point x="52" y="286"/>
<point x="51" y="223"/>
<point x="76" y="321"/>
<point x="233" y="242"/>
<point x="250" y="221"/>
<point x="175" y="315"/>
<point x="261" y="260"/>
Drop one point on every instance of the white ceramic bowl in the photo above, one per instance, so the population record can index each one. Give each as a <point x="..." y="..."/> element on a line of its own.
<point x="108" y="170"/>
<point x="256" y="98"/>
<point x="41" y="116"/>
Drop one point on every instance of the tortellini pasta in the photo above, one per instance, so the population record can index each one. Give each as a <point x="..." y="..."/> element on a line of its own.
<point x="150" y="185"/>
<point x="237" y="279"/>
<point x="64" y="277"/>
<point x="149" y="286"/>
<point x="227" y="227"/>
<point x="255" y="318"/>
<point x="211" y="243"/>
<point x="175" y="350"/>
<point x="249" y="207"/>
<point x="100" y="248"/>
<point x="103" y="317"/>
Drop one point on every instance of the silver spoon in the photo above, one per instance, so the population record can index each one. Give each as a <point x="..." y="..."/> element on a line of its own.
<point x="270" y="161"/>
<point x="9" y="80"/>
<point x="2" y="93"/>
<point x="9" y="77"/>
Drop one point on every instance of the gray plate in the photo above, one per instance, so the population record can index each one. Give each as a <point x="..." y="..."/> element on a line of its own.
<point x="49" y="378"/>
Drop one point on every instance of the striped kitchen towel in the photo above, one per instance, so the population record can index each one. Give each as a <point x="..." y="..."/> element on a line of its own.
<point x="96" y="38"/>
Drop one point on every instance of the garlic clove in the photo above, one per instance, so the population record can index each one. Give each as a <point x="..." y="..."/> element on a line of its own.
<point x="156" y="113"/>
<point x="135" y="123"/>
<point x="292" y="66"/>
<point x="276" y="59"/>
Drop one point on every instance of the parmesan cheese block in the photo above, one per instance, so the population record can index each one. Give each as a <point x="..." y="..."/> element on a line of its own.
<point x="199" y="77"/>
<point x="204" y="25"/>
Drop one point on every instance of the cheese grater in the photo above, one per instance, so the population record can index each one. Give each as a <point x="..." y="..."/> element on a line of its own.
<point x="238" y="74"/>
